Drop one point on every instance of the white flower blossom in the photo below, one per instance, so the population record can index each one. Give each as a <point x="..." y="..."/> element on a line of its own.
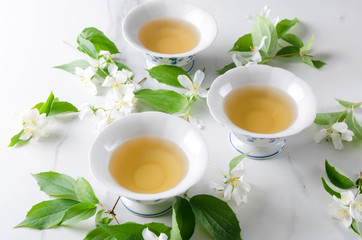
<point x="85" y="76"/>
<point x="193" y="88"/>
<point x="346" y="198"/>
<point x="337" y="132"/>
<point x="148" y="235"/>
<point x="106" y="55"/>
<point x="117" y="79"/>
<point x="122" y="100"/>
<point x="234" y="186"/>
<point x="85" y="111"/>
<point x="356" y="208"/>
<point x="341" y="213"/>
<point x="103" y="119"/>
<point x="264" y="13"/>
<point x="34" y="124"/>
<point x="249" y="58"/>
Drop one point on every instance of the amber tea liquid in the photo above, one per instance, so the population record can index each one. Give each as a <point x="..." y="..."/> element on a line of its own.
<point x="148" y="165"/>
<point x="260" y="109"/>
<point x="168" y="35"/>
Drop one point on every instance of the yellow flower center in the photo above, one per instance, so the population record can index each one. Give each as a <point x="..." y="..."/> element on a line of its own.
<point x="85" y="81"/>
<point x="342" y="213"/>
<point x="195" y="87"/>
<point x="32" y="121"/>
<point x="234" y="181"/>
<point x="358" y="206"/>
<point x="117" y="85"/>
<point x="121" y="103"/>
<point x="345" y="200"/>
<point x="28" y="132"/>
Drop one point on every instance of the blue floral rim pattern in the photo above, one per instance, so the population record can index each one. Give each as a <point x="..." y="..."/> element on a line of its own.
<point x="258" y="157"/>
<point x="146" y="215"/>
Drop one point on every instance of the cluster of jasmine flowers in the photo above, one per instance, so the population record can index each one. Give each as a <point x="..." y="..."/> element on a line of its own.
<point x="193" y="91"/>
<point x="34" y="125"/>
<point x="253" y="57"/>
<point x="347" y="208"/>
<point x="120" y="97"/>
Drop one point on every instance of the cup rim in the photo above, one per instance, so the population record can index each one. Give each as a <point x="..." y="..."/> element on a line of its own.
<point x="219" y="115"/>
<point x="176" y="190"/>
<point x="144" y="50"/>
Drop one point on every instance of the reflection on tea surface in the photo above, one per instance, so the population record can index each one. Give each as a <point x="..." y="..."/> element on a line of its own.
<point x="148" y="165"/>
<point x="260" y="109"/>
<point x="168" y="35"/>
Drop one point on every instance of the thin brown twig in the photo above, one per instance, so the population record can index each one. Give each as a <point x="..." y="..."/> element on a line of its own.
<point x="111" y="211"/>
<point x="285" y="55"/>
<point x="142" y="80"/>
<point x="347" y="110"/>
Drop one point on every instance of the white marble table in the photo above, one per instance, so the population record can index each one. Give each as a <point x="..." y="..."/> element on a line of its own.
<point x="286" y="201"/>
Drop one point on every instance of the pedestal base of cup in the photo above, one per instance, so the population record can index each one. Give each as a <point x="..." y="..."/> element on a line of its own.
<point x="258" y="152"/>
<point x="188" y="67"/>
<point x="148" y="208"/>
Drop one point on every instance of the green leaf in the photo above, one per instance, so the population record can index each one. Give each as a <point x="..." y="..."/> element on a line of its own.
<point x="243" y="44"/>
<point x="164" y="100"/>
<point x="355" y="227"/>
<point x="38" y="105"/>
<point x="289" y="51"/>
<point x="79" y="212"/>
<point x="337" y="177"/>
<point x="183" y="219"/>
<point x="284" y="26"/>
<point x="308" y="46"/>
<point x="307" y="60"/>
<point x="16" y="139"/>
<point x="122" y="66"/>
<point x="87" y="47"/>
<point x="167" y="74"/>
<point x="330" y="189"/>
<point x="47" y="214"/>
<point x="129" y="230"/>
<point x="159" y="228"/>
<point x="100" y="220"/>
<point x="102" y="73"/>
<point x="293" y="39"/>
<point x="70" y="67"/>
<point x="47" y="106"/>
<point x="226" y="68"/>
<point x="216" y="217"/>
<point x="62" y="108"/>
<point x="84" y="191"/>
<point x="100" y="233"/>
<point x="98" y="39"/>
<point x="348" y="104"/>
<point x="329" y="118"/>
<point x="55" y="184"/>
<point x="264" y="27"/>
<point x="353" y="124"/>
<point x="318" y="64"/>
<point x="236" y="160"/>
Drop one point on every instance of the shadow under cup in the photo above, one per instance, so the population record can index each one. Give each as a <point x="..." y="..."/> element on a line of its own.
<point x="151" y="124"/>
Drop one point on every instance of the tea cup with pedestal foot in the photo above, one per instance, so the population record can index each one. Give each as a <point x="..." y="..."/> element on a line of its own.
<point x="260" y="145"/>
<point x="149" y="124"/>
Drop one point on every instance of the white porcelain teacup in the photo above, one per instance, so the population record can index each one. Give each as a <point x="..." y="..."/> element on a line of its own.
<point x="262" y="146"/>
<point x="198" y="17"/>
<point x="152" y="124"/>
